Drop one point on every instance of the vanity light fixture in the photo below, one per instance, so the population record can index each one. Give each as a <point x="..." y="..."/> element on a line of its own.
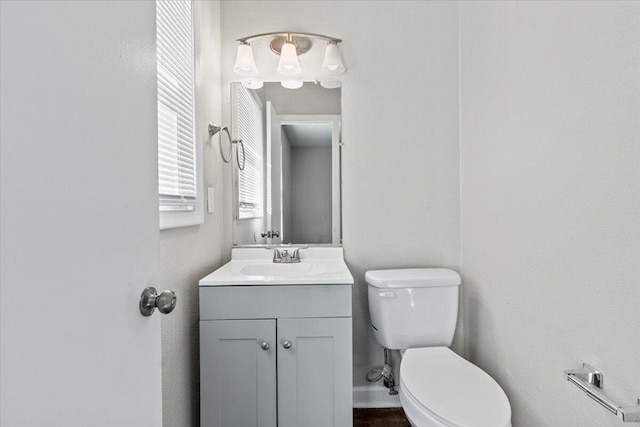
<point x="330" y="84"/>
<point x="245" y="64"/>
<point x="289" y="45"/>
<point x="292" y="84"/>
<point x="332" y="63"/>
<point x="289" y="64"/>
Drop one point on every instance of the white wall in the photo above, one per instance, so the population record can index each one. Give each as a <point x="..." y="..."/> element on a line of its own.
<point x="311" y="171"/>
<point x="248" y="231"/>
<point x="187" y="254"/>
<point x="309" y="99"/>
<point x="400" y="128"/>
<point x="550" y="125"/>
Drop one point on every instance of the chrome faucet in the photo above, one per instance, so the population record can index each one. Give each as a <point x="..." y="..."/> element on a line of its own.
<point x="285" y="257"/>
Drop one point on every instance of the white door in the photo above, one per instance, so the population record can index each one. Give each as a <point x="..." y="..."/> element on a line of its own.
<point x="79" y="215"/>
<point x="238" y="373"/>
<point x="314" y="372"/>
<point x="274" y="173"/>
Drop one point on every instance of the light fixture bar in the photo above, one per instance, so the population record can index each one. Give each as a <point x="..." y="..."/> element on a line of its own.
<point x="288" y="45"/>
<point x="302" y="44"/>
<point x="290" y="34"/>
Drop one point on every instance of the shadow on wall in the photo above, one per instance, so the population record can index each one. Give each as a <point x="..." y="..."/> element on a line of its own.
<point x="480" y="331"/>
<point x="370" y="353"/>
<point x="479" y="321"/>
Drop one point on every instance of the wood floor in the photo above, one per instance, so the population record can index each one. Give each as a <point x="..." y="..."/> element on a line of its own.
<point x="379" y="417"/>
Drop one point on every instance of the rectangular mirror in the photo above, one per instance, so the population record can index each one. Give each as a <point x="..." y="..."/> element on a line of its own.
<point x="289" y="190"/>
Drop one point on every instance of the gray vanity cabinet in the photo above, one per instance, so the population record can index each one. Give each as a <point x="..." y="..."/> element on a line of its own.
<point x="314" y="374"/>
<point x="238" y="377"/>
<point x="276" y="365"/>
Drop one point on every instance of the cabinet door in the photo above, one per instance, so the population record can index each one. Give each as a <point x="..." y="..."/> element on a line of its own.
<point x="314" y="372"/>
<point x="238" y="376"/>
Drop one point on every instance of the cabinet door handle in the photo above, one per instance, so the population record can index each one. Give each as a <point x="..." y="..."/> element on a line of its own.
<point x="264" y="345"/>
<point x="286" y="344"/>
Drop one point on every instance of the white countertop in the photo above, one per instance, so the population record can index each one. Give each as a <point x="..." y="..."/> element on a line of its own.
<point x="255" y="267"/>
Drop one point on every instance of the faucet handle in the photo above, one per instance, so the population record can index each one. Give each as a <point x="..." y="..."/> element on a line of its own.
<point x="296" y="255"/>
<point x="277" y="256"/>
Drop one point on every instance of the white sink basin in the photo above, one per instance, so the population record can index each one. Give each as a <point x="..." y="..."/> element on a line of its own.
<point x="283" y="269"/>
<point x="254" y="267"/>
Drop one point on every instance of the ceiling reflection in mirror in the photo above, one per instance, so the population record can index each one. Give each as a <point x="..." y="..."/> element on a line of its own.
<point x="289" y="191"/>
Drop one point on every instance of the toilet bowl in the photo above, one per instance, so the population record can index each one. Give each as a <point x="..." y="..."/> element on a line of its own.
<point x="439" y="388"/>
<point x="415" y="311"/>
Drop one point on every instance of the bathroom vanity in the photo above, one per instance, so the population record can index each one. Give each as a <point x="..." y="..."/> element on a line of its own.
<point x="275" y="341"/>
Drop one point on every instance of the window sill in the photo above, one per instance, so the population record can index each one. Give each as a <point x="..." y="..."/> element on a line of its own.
<point x="250" y="213"/>
<point x="178" y="219"/>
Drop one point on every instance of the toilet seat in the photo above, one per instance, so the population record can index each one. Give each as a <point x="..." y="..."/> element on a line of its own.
<point x="438" y="387"/>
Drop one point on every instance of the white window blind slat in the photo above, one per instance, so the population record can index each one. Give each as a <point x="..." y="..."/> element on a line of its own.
<point x="169" y="156"/>
<point x="250" y="129"/>
<point x="170" y="152"/>
<point x="177" y="68"/>
<point x="171" y="89"/>
<point x="177" y="184"/>
<point x="180" y="174"/>
<point x="182" y="165"/>
<point x="172" y="94"/>
<point x="175" y="26"/>
<point x="177" y="19"/>
<point x="180" y="41"/>
<point x="183" y="13"/>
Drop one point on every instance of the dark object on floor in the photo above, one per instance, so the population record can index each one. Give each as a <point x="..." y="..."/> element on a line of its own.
<point x="379" y="417"/>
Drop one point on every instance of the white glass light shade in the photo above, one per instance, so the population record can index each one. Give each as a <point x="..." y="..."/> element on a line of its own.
<point x="252" y="83"/>
<point x="292" y="84"/>
<point x="289" y="65"/>
<point x="330" y="84"/>
<point x="245" y="64"/>
<point x="332" y="63"/>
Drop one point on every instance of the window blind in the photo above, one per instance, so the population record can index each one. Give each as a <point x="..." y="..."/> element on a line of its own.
<point x="250" y="129"/>
<point x="176" y="142"/>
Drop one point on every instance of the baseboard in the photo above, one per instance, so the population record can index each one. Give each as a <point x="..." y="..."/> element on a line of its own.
<point x="374" y="396"/>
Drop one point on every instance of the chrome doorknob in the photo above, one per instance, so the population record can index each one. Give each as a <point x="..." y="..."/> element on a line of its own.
<point x="286" y="344"/>
<point x="264" y="345"/>
<point x="150" y="300"/>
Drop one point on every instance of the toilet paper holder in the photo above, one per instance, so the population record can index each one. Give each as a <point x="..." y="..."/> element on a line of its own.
<point x="590" y="380"/>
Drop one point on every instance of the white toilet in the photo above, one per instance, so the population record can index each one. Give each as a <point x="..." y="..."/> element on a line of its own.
<point x="415" y="311"/>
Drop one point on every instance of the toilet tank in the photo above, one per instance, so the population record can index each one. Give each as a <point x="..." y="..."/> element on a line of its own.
<point x="413" y="307"/>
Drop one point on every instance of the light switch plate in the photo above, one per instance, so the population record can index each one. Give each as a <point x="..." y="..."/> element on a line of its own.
<point x="210" y="199"/>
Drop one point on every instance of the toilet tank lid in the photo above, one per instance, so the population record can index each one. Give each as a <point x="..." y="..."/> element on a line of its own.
<point x="412" y="278"/>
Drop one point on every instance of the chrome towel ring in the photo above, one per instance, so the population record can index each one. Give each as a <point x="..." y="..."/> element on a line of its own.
<point x="214" y="129"/>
